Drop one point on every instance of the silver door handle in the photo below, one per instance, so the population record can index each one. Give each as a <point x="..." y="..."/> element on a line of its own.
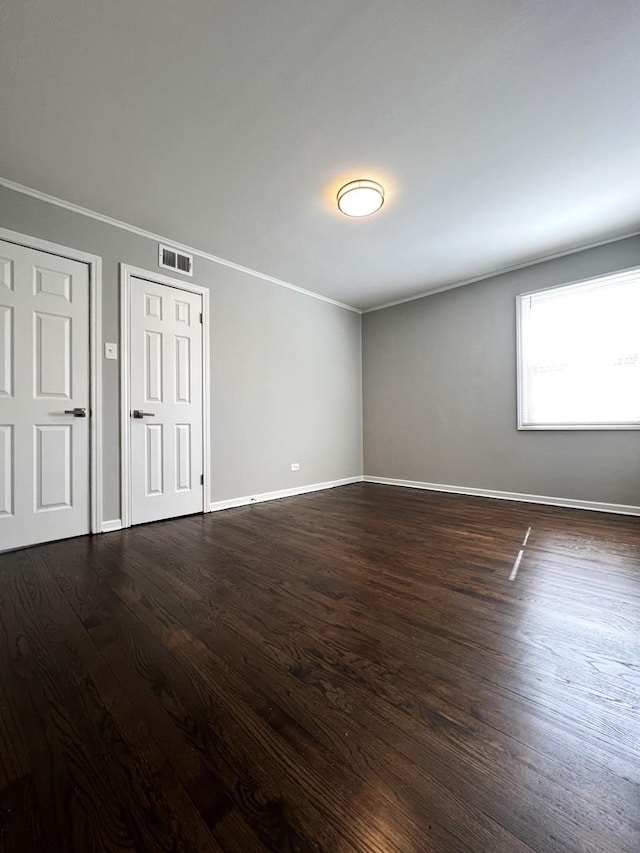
<point x="77" y="412"/>
<point x="138" y="413"/>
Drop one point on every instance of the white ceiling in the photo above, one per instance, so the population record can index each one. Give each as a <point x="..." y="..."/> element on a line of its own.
<point x="503" y="131"/>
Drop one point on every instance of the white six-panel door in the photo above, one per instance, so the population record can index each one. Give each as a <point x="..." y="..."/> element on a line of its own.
<point x="44" y="377"/>
<point x="166" y="438"/>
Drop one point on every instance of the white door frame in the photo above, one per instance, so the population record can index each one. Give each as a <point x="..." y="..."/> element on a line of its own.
<point x="127" y="272"/>
<point x="94" y="263"/>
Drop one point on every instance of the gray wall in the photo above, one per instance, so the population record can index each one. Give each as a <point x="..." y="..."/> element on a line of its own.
<point x="439" y="379"/>
<point x="285" y="367"/>
<point x="440" y="394"/>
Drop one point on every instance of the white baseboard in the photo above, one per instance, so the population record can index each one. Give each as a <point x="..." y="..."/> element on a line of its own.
<point x="108" y="526"/>
<point x="619" y="509"/>
<point x="216" y="506"/>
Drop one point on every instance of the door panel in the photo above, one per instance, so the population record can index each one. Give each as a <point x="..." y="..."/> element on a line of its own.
<point x="183" y="312"/>
<point x="53" y="467"/>
<point x="183" y="457"/>
<point x="153" y="306"/>
<point x="166" y="444"/>
<point x="153" y="367"/>
<point x="53" y="282"/>
<point x="6" y="470"/>
<point x="6" y="273"/>
<point x="44" y="373"/>
<point x="6" y="351"/>
<point x="183" y="369"/>
<point x="153" y="440"/>
<point x="52" y="357"/>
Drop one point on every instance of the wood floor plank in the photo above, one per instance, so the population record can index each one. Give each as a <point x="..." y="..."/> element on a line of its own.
<point x="263" y="720"/>
<point x="91" y="770"/>
<point x="428" y="637"/>
<point x="350" y="670"/>
<point x="285" y="712"/>
<point x="355" y="666"/>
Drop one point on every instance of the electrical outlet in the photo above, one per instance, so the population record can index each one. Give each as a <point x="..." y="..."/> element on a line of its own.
<point x="295" y="466"/>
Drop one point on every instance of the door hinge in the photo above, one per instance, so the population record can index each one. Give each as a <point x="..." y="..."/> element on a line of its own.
<point x="202" y="479"/>
<point x="201" y="318"/>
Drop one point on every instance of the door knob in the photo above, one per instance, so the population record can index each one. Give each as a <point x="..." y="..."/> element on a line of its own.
<point x="138" y="413"/>
<point x="77" y="412"/>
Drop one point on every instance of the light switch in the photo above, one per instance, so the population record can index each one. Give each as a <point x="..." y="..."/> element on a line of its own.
<point x="111" y="351"/>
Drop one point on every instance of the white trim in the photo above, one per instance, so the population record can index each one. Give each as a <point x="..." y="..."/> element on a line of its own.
<point x="125" y="503"/>
<point x="94" y="262"/>
<point x="109" y="526"/>
<point x="632" y="425"/>
<point x="618" y="509"/>
<point x="625" y="272"/>
<point x="216" y="506"/>
<point x="95" y="272"/>
<point x="141" y="232"/>
<point x="519" y="374"/>
<point x="127" y="272"/>
<point x="503" y="271"/>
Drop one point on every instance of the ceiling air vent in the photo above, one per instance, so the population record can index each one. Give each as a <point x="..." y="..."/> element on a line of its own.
<point x="171" y="259"/>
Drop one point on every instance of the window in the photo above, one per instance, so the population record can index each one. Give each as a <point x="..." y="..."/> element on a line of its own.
<point x="579" y="355"/>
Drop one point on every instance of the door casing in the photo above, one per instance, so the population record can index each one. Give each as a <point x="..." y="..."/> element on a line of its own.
<point x="94" y="263"/>
<point x="127" y="273"/>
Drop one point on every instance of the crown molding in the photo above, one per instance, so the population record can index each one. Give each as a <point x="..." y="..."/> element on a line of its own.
<point x="503" y="271"/>
<point x="159" y="238"/>
<point x="150" y="235"/>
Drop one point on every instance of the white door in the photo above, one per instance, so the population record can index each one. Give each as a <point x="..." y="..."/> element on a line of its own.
<point x="44" y="397"/>
<point x="165" y="340"/>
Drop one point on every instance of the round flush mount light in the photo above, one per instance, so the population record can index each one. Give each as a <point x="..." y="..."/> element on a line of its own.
<point x="360" y="198"/>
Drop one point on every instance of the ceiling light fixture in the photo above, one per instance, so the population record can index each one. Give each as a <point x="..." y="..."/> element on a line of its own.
<point x="360" y="198"/>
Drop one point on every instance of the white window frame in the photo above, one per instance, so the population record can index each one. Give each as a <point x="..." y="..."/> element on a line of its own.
<point x="520" y="300"/>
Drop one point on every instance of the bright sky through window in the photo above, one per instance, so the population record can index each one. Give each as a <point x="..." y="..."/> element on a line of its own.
<point x="579" y="359"/>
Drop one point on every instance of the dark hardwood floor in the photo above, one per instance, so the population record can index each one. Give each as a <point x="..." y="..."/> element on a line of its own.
<point x="351" y="670"/>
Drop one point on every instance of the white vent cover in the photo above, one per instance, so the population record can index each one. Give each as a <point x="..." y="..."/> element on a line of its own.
<point x="172" y="259"/>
